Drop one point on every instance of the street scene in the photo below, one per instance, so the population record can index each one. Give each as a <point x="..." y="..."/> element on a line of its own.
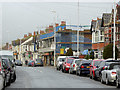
<point x="59" y="44"/>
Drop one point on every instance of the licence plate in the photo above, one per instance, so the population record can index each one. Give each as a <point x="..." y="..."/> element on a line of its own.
<point x="38" y="63"/>
<point x="88" y="66"/>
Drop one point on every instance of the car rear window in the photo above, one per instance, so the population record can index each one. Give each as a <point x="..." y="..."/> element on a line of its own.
<point x="86" y="61"/>
<point x="77" y="61"/>
<point x="61" y="59"/>
<point x="96" y="63"/>
<point x="38" y="60"/>
<point x="70" y="60"/>
<point x="116" y="66"/>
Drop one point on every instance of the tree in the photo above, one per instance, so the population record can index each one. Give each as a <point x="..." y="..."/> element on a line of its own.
<point x="108" y="52"/>
<point x="87" y="56"/>
<point x="69" y="52"/>
<point x="92" y="54"/>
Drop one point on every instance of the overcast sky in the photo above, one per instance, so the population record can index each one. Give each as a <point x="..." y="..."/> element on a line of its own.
<point x="18" y="17"/>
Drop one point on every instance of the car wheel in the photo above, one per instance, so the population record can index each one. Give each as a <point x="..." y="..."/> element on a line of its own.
<point x="8" y="84"/>
<point x="69" y="71"/>
<point x="14" y="77"/>
<point x="64" y="70"/>
<point x="117" y="83"/>
<point x="107" y="81"/>
<point x="79" y="72"/>
<point x="76" y="72"/>
<point x="92" y="76"/>
<point x="101" y="80"/>
<point x="57" y="68"/>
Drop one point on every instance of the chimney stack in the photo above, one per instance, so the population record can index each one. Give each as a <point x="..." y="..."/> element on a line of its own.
<point x="56" y="25"/>
<point x="25" y="35"/>
<point x="63" y="23"/>
<point x="30" y="34"/>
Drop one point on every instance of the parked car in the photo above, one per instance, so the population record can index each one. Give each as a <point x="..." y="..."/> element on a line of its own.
<point x="6" y="70"/>
<point x="118" y="77"/>
<point x="2" y="76"/>
<point x="31" y="63"/>
<point x="109" y="74"/>
<point x="83" y="68"/>
<point x="74" y="65"/>
<point x="38" y="62"/>
<point x="10" y="59"/>
<point x="101" y="66"/>
<point x="66" y="64"/>
<point x="60" y="61"/>
<point x="93" y="65"/>
<point x="18" y="62"/>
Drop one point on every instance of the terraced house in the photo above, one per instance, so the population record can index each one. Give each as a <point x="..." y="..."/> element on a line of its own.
<point x="102" y="31"/>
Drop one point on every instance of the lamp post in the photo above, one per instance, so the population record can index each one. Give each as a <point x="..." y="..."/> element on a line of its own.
<point x="114" y="30"/>
<point x="78" y="32"/>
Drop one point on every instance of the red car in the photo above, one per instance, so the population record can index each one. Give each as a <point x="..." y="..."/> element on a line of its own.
<point x="66" y="64"/>
<point x="93" y="65"/>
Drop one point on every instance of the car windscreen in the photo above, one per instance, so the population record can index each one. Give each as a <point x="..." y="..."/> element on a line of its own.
<point x="96" y="63"/>
<point x="70" y="60"/>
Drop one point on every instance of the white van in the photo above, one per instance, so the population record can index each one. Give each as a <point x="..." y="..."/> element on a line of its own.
<point x="7" y="53"/>
<point x="60" y="61"/>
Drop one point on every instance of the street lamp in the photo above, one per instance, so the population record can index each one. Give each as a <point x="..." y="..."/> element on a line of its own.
<point x="78" y="32"/>
<point x="114" y="30"/>
<point x="54" y="38"/>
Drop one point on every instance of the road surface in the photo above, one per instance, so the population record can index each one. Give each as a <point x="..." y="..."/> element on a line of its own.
<point x="49" y="77"/>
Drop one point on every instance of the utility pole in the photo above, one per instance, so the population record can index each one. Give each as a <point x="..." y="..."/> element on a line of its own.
<point x="78" y="32"/>
<point x="114" y="31"/>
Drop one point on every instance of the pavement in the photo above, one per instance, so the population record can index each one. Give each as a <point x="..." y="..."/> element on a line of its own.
<point x="49" y="77"/>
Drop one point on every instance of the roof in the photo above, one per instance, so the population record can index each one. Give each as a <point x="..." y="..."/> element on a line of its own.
<point x="107" y="18"/>
<point x="27" y="41"/>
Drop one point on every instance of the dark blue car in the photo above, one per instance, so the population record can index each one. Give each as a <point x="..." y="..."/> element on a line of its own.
<point x="83" y="68"/>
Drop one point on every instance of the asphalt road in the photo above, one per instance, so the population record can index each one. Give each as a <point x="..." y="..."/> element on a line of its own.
<point x="49" y="77"/>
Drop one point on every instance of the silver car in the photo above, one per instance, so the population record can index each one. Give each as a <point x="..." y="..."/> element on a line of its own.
<point x="109" y="74"/>
<point x="74" y="65"/>
<point x="60" y="61"/>
<point x="118" y="77"/>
